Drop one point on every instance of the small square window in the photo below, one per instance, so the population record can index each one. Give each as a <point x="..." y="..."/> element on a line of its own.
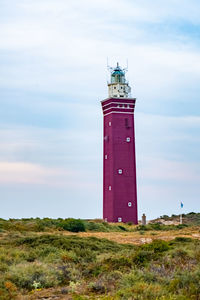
<point x="129" y="204"/>
<point x="119" y="219"/>
<point x="110" y="188"/>
<point x="120" y="171"/>
<point x="109" y="123"/>
<point x="128" y="139"/>
<point x="106" y="156"/>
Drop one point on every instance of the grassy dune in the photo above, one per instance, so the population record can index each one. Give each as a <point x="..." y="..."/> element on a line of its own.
<point x="74" y="259"/>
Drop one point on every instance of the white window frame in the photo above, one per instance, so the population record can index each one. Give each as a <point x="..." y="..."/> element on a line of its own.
<point x="110" y="188"/>
<point x="109" y="123"/>
<point x="119" y="219"/>
<point x="120" y="171"/>
<point x="106" y="156"/>
<point x="128" y="139"/>
<point x="129" y="204"/>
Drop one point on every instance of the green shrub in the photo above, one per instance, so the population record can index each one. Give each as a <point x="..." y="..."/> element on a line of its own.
<point x="181" y="239"/>
<point x="24" y="275"/>
<point x="129" y="223"/>
<point x="180" y="253"/>
<point x="188" y="282"/>
<point x="85" y="255"/>
<point x="141" y="257"/>
<point x="98" y="227"/>
<point x="97" y="287"/>
<point x="122" y="228"/>
<point x="142" y="290"/>
<point x="157" y="246"/>
<point x="73" y="225"/>
<point x="165" y="217"/>
<point x="71" y="243"/>
<point x="117" y="263"/>
<point x="181" y="226"/>
<point x="142" y="228"/>
<point x="156" y="226"/>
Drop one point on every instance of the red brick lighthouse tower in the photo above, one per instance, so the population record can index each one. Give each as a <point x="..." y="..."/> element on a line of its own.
<point x="119" y="166"/>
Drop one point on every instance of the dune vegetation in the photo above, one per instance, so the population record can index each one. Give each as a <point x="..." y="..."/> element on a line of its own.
<point x="76" y="259"/>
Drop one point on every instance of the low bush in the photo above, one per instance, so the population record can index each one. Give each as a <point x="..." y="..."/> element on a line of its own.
<point x="181" y="239"/>
<point x="134" y="287"/>
<point x="157" y="246"/>
<point x="25" y="275"/>
<point x="141" y="257"/>
<point x="72" y="242"/>
<point x="159" y="227"/>
<point x="73" y="225"/>
<point x="97" y="287"/>
<point x="122" y="228"/>
<point x="117" y="263"/>
<point x="186" y="282"/>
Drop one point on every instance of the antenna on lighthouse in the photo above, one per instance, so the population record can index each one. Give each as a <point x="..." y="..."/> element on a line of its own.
<point x="126" y="69"/>
<point x="110" y="69"/>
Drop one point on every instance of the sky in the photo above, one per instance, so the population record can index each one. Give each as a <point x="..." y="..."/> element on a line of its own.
<point x="53" y="75"/>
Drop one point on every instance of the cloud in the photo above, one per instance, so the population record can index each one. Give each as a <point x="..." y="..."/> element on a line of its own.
<point x="56" y="47"/>
<point x="27" y="173"/>
<point x="163" y="170"/>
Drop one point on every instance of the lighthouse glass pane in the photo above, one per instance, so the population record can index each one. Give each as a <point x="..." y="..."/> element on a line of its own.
<point x="129" y="204"/>
<point x="120" y="171"/>
<point x="128" y="139"/>
<point x="119" y="219"/>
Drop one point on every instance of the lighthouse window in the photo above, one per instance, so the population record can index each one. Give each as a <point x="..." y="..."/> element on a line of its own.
<point x="109" y="123"/>
<point x="129" y="204"/>
<point x="120" y="171"/>
<point x="110" y="188"/>
<point x="106" y="156"/>
<point x="128" y="139"/>
<point x="119" y="219"/>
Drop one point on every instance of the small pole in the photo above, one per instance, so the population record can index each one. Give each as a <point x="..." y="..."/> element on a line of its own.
<point x="144" y="221"/>
<point x="181" y="215"/>
<point x="181" y="218"/>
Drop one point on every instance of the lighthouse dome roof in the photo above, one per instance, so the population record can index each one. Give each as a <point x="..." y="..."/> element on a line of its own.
<point x="117" y="75"/>
<point x="118" y="71"/>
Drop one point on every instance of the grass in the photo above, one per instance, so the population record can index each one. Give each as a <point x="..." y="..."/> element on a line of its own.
<point x="162" y="263"/>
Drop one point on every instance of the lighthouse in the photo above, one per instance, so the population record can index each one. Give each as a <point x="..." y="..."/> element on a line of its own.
<point x="119" y="162"/>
